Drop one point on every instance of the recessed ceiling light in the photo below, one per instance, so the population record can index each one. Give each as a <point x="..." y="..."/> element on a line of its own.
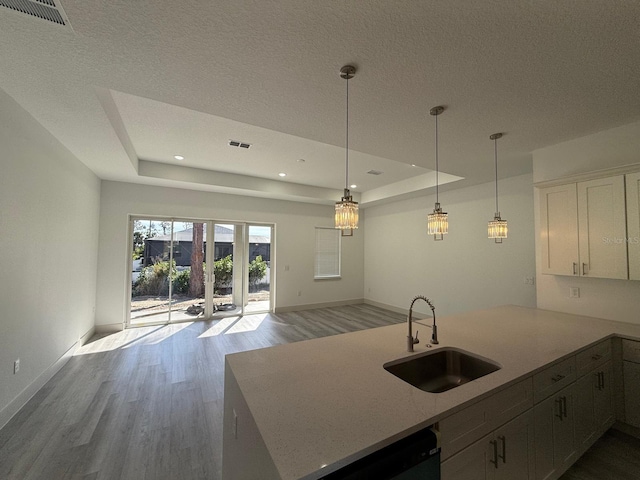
<point x="413" y="164"/>
<point x="354" y="186"/>
<point x="301" y="160"/>
<point x="178" y="157"/>
<point x="282" y="174"/>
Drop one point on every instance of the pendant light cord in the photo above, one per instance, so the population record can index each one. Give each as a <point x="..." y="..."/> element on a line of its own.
<point x="437" y="169"/>
<point x="495" y="153"/>
<point x="346" y="186"/>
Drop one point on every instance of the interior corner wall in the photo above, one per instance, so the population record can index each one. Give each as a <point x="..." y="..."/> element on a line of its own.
<point x="466" y="270"/>
<point x="599" y="297"/>
<point x="49" y="239"/>
<point x="294" y="243"/>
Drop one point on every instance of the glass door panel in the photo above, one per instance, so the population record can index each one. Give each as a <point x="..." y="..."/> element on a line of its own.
<point x="152" y="270"/>
<point x="228" y="273"/>
<point x="188" y="300"/>
<point x="259" y="258"/>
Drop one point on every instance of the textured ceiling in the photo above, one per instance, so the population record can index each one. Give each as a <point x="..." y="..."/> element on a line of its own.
<point x="130" y="84"/>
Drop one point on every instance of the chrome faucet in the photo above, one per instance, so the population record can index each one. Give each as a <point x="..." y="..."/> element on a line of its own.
<point x="411" y="341"/>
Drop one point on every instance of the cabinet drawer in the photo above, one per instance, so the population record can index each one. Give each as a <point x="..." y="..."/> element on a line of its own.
<point x="461" y="429"/>
<point x="631" y="351"/>
<point x="593" y="357"/>
<point x="553" y="379"/>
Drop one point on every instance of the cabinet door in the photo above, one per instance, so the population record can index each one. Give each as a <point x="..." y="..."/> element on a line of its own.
<point x="468" y="464"/>
<point x="510" y="450"/>
<point x="559" y="230"/>
<point x="602" y="399"/>
<point x="632" y="393"/>
<point x="585" y="426"/>
<point x="633" y="224"/>
<point x="602" y="228"/>
<point x="554" y="434"/>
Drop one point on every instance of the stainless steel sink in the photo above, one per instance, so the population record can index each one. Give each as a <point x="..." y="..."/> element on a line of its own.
<point x="442" y="369"/>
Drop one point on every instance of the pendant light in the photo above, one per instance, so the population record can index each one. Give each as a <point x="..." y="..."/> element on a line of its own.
<point x="438" y="221"/>
<point x="346" y="218"/>
<point x="497" y="226"/>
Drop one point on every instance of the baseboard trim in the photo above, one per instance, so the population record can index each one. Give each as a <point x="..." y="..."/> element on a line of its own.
<point x="8" y="412"/>
<point x="309" y="306"/>
<point x="109" y="328"/>
<point x="402" y="311"/>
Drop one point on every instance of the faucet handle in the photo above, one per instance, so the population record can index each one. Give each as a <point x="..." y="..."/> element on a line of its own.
<point x="415" y="340"/>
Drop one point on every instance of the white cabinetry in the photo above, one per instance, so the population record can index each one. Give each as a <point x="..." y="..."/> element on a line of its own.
<point x="631" y="368"/>
<point x="633" y="224"/>
<point x="553" y="392"/>
<point x="554" y="434"/>
<point x="583" y="229"/>
<point x="505" y="454"/>
<point x="559" y="229"/>
<point x="594" y="390"/>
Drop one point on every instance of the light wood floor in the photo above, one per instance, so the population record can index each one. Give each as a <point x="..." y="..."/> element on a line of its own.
<point x="146" y="403"/>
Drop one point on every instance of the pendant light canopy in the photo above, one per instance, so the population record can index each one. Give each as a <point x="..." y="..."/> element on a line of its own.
<point x="438" y="221"/>
<point x="497" y="227"/>
<point x="346" y="217"/>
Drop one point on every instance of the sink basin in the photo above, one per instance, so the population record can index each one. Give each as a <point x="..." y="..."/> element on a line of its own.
<point x="442" y="369"/>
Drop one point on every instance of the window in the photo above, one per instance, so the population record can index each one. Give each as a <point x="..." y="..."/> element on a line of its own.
<point x="327" y="263"/>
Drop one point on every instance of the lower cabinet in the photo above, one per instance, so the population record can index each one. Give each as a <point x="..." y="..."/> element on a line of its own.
<point x="594" y="405"/>
<point x="631" y="369"/>
<point x="554" y="434"/>
<point x="506" y="453"/>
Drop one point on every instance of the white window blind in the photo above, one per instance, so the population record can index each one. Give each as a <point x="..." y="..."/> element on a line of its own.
<point x="327" y="253"/>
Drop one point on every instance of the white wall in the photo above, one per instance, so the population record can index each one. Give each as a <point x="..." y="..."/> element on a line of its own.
<point x="465" y="271"/>
<point x="604" y="298"/>
<point x="295" y="243"/>
<point x="49" y="240"/>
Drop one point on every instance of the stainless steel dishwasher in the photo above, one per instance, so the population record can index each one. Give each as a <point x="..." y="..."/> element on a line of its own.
<point x="414" y="457"/>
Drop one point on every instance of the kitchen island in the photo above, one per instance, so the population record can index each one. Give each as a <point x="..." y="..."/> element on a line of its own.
<point x="302" y="410"/>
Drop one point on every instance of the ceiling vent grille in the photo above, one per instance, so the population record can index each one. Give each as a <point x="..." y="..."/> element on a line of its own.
<point x="44" y="9"/>
<point x="375" y="172"/>
<point x="235" y="143"/>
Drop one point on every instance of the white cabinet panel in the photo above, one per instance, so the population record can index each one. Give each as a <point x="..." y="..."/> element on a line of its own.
<point x="558" y="229"/>
<point x="583" y="229"/>
<point x="602" y="227"/>
<point x="633" y="224"/>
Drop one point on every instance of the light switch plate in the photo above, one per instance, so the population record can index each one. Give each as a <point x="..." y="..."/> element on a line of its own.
<point x="574" y="292"/>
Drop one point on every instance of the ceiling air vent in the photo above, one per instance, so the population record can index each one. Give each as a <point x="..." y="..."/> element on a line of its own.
<point x="235" y="143"/>
<point x="375" y="172"/>
<point x="47" y="10"/>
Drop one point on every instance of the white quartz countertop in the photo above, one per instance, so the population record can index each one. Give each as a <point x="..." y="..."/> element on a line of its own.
<point x="321" y="404"/>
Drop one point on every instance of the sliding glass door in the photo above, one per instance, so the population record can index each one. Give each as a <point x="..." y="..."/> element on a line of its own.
<point x="175" y="277"/>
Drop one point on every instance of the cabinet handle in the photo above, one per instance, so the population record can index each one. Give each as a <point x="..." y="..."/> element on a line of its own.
<point x="557" y="378"/>
<point x="559" y="402"/>
<point x="564" y="406"/>
<point x="600" y="380"/>
<point x="584" y="269"/>
<point x="495" y="452"/>
<point x="504" y="448"/>
<point x="575" y="268"/>
<point x="595" y="357"/>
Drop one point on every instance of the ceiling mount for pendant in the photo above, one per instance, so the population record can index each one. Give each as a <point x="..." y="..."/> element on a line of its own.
<point x="346" y="216"/>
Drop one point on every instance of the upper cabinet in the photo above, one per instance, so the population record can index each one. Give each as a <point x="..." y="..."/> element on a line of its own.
<point x="559" y="229"/>
<point x="633" y="224"/>
<point x="583" y="229"/>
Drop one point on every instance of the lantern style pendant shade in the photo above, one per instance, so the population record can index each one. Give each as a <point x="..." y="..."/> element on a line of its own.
<point x="437" y="221"/>
<point x="346" y="216"/>
<point x="497" y="228"/>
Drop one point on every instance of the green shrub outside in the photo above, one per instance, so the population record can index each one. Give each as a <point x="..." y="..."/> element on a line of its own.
<point x="154" y="279"/>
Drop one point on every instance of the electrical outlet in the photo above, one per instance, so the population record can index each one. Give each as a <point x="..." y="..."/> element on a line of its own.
<point x="16" y="366"/>
<point x="574" y="292"/>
